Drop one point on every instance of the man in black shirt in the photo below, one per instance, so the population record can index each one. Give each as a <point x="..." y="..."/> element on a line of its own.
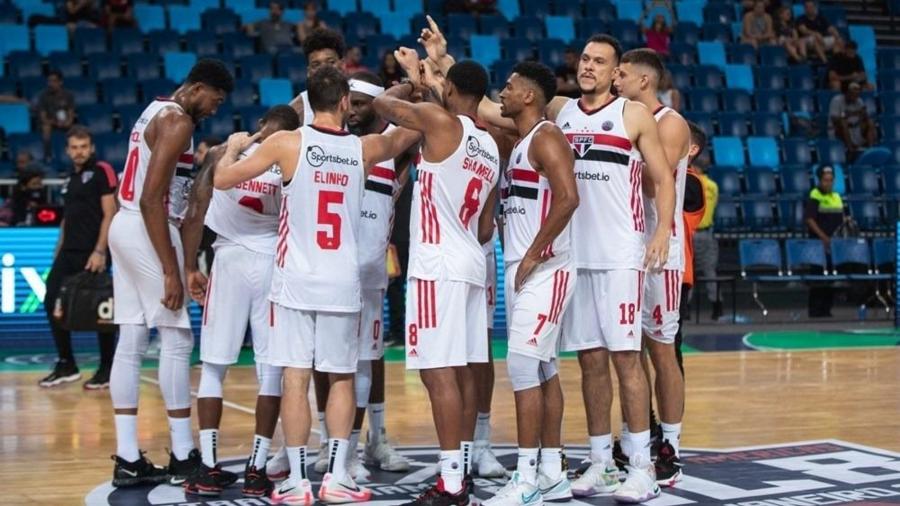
<point x="846" y="67"/>
<point x="89" y="208"/>
<point x="55" y="109"/>
<point x="819" y="34"/>
<point x="824" y="214"/>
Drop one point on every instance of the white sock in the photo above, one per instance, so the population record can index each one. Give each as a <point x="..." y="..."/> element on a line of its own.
<point x="626" y="440"/>
<point x="126" y="437"/>
<point x="376" y="421"/>
<point x="209" y="442"/>
<point x="465" y="448"/>
<point x="527" y="465"/>
<point x="672" y="434"/>
<point x="483" y="427"/>
<point x="354" y="443"/>
<point x="451" y="470"/>
<point x="182" y="439"/>
<point x="337" y="458"/>
<point x="297" y="458"/>
<point x="601" y="449"/>
<point x="640" y="445"/>
<point x="261" y="447"/>
<point x="323" y="429"/>
<point x="551" y="462"/>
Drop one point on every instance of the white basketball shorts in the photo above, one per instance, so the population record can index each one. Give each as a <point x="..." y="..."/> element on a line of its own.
<point x="662" y="303"/>
<point x="303" y="339"/>
<point x="371" y="339"/>
<point x="605" y="311"/>
<point x="535" y="311"/>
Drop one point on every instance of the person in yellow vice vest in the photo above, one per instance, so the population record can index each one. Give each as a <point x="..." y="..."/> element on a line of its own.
<point x="823" y="213"/>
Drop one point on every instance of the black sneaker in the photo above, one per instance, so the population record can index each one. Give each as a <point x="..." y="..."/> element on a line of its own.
<point x="139" y="472"/>
<point x="620" y="458"/>
<point x="256" y="483"/>
<point x="437" y="496"/>
<point x="668" y="466"/>
<point x="99" y="381"/>
<point x="180" y="470"/>
<point x="203" y="482"/>
<point x="63" y="372"/>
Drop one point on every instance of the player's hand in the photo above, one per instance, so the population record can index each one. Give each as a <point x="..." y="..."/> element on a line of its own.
<point x="240" y="141"/>
<point x="96" y="262"/>
<point x="173" y="297"/>
<point x="432" y="77"/>
<point x="197" y="284"/>
<point x="433" y="41"/>
<point x="409" y="62"/>
<point x="657" y="250"/>
<point x="526" y="267"/>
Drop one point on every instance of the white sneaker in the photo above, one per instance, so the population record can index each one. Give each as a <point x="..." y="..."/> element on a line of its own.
<point x="555" y="490"/>
<point x="640" y="486"/>
<point x="516" y="492"/>
<point x="344" y="491"/>
<point x="296" y="492"/>
<point x="599" y="478"/>
<point x="357" y="470"/>
<point x="486" y="464"/>
<point x="278" y="467"/>
<point x="321" y="465"/>
<point x="379" y="453"/>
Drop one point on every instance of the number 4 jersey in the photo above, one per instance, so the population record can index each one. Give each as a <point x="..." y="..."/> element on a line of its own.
<point x="447" y="200"/>
<point x="316" y="254"/>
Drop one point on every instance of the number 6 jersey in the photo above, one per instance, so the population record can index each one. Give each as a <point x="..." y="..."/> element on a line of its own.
<point x="316" y="254"/>
<point x="447" y="200"/>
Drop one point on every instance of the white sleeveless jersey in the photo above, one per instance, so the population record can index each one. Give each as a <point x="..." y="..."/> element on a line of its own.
<point x="608" y="226"/>
<point x="248" y="213"/>
<point x="447" y="200"/>
<point x="307" y="109"/>
<point x="316" y="253"/>
<point x="139" y="159"/>
<point x="377" y="220"/>
<point x="527" y="204"/>
<point x="676" y="240"/>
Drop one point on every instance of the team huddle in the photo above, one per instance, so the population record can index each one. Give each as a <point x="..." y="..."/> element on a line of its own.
<point x="585" y="194"/>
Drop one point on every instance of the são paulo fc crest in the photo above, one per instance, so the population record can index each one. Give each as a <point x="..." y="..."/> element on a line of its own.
<point x="807" y="473"/>
<point x="581" y="143"/>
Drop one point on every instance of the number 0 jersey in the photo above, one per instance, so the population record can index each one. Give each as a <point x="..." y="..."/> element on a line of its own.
<point x="377" y="219"/>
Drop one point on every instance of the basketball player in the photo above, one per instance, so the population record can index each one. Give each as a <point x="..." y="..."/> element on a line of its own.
<point x="245" y="220"/>
<point x="637" y="79"/>
<point x="323" y="48"/>
<point x="147" y="258"/>
<point x="315" y="296"/>
<point x="540" y="201"/>
<point x="445" y="293"/>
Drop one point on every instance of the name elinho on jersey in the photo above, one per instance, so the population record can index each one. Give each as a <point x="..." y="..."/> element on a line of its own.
<point x="473" y="149"/>
<point x="332" y="178"/>
<point x="316" y="156"/>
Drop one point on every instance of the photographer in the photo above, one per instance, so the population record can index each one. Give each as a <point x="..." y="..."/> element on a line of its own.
<point x="90" y="204"/>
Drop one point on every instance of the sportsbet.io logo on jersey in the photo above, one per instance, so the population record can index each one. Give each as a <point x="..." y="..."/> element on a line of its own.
<point x="473" y="149"/>
<point x="316" y="156"/>
<point x="797" y="474"/>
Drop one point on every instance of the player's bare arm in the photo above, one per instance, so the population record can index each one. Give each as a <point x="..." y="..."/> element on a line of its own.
<point x="643" y="129"/>
<point x="168" y="136"/>
<point x="551" y="155"/>
<point x="486" y="219"/>
<point x="281" y="148"/>
<point x="675" y="137"/>
<point x="297" y="105"/>
<point x="380" y="147"/>
<point x="192" y="225"/>
<point x="441" y="130"/>
<point x="97" y="261"/>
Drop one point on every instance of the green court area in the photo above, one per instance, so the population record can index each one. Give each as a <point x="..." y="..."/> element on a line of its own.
<point x="790" y="340"/>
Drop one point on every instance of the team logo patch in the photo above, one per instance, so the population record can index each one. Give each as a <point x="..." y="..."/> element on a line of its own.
<point x="86" y="176"/>
<point x="566" y="126"/>
<point x="472" y="146"/>
<point x="315" y="156"/>
<point x="518" y="158"/>
<point x="806" y="473"/>
<point x="607" y="125"/>
<point x="582" y="143"/>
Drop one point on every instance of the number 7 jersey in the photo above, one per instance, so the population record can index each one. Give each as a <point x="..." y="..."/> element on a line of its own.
<point x="448" y="199"/>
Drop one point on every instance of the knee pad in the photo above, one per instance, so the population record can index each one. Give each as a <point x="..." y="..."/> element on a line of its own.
<point x="174" y="366"/>
<point x="269" y="377"/>
<point x="362" y="383"/>
<point x="212" y="376"/>
<point x="548" y="370"/>
<point x="524" y="372"/>
<point x="126" y="368"/>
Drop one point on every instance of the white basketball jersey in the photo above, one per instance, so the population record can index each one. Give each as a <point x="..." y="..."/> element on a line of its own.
<point x="316" y="253"/>
<point x="138" y="160"/>
<point x="248" y="213"/>
<point x="447" y="201"/>
<point x="527" y="204"/>
<point x="307" y="109"/>
<point x="676" y="240"/>
<point x="377" y="219"/>
<point x="608" y="226"/>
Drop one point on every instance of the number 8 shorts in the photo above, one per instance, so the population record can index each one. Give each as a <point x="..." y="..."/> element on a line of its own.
<point x="605" y="311"/>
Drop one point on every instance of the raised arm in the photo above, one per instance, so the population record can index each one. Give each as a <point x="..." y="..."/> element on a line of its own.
<point x="440" y="130"/>
<point x="378" y="148"/>
<point x="192" y="226"/>
<point x="229" y="171"/>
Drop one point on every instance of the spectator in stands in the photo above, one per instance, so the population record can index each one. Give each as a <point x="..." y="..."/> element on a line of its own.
<point x="25" y="162"/>
<point x="846" y="67"/>
<point x="353" y="61"/>
<point x="274" y="33"/>
<point x="658" y="35"/>
<point x="55" y="109"/>
<point x="390" y="71"/>
<point x="849" y="121"/>
<point x="823" y="213"/>
<point x="90" y="203"/>
<point x="28" y="195"/>
<point x="667" y="93"/>
<point x="818" y="33"/>
<point x="567" y="75"/>
<point x="706" y="246"/>
<point x="757" y="29"/>
<point x="81" y="13"/>
<point x="310" y="21"/>
<point x="118" y="14"/>
<point x="787" y="36"/>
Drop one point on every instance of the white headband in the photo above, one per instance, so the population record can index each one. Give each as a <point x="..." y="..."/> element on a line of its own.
<point x="365" y="88"/>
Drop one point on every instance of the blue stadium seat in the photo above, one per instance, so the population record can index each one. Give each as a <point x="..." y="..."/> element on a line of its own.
<point x="703" y="100"/>
<point x="884" y="253"/>
<point x="250" y="115"/>
<point x="890" y="127"/>
<point x="540" y="8"/>
<point x="177" y="65"/>
<point x="237" y="45"/>
<point x="275" y="91"/>
<point x="127" y="41"/>
<point x="877" y="156"/>
<point x="891" y="176"/>
<point x="801" y="78"/>
<point x="413" y="6"/>
<point x="717" y="32"/>
<point x="836" y="15"/>
<point x="865" y="180"/>
<point x="378" y="45"/>
<point x="485" y="49"/>
<point x="203" y="43"/>
<point x="766" y="124"/>
<point x="98" y="118"/>
<point x="629" y="9"/>
<point x="770" y="78"/>
<point x="551" y="52"/>
<point x="517" y="48"/>
<point x="708" y="76"/>
<point x="529" y="27"/>
<point x="87" y="41"/>
<point x="8" y="86"/>
<point x="791" y="212"/>
<point x="718" y="12"/>
<point x="733" y="124"/>
<point x="342" y="7"/>
<point x="759" y="215"/>
<point x="220" y="124"/>
<point x="681" y="76"/>
<point x="867" y="213"/>
<point x="687" y="33"/>
<point x="567" y="8"/>
<point x="30" y="142"/>
<point x="113" y="148"/>
<point x="729" y="181"/>
<point x="774" y="56"/>
<point x="220" y="21"/>
<point x="119" y="91"/>
<point x="239" y="5"/>
<point x="727" y="217"/>
<point x="67" y="63"/>
<point x="331" y="18"/>
<point x="48" y="38"/>
<point x="863" y="35"/>
<point x="461" y="26"/>
<point x="888" y="57"/>
<point x="256" y="14"/>
<point x="203" y="5"/>
<point x="394" y="24"/>
<point x="24" y="64"/>
<point x="153" y="88"/>
<point x="682" y="53"/>
<point x="889" y="80"/>
<point x="795" y="181"/>
<point x="15" y="38"/>
<point x="128" y="116"/>
<point x="10" y="15"/>
<point x="184" y="18"/>
<point x="142" y="68"/>
<point x="853" y="257"/>
<point x="150" y="17"/>
<point x="739" y="76"/>
<point x="628" y="33"/>
<point x="104" y="66"/>
<point x="761" y="181"/>
<point x="163" y="41"/>
<point x="361" y="25"/>
<point x="763" y="151"/>
<point x="807" y="255"/>
<point x="744" y="54"/>
<point x="377" y="7"/>
<point x="256" y="67"/>
<point x="509" y="9"/>
<point x="84" y="89"/>
<point x="501" y="70"/>
<point x="830" y="151"/>
<point x="244" y="94"/>
<point x="690" y="11"/>
<point x="823" y="99"/>
<point x="15" y="118"/>
<point x="737" y="101"/>
<point x="728" y="151"/>
<point x="32" y="86"/>
<point x="760" y="261"/>
<point x="703" y="119"/>
<point x="560" y="27"/>
<point x="770" y="101"/>
<point x="291" y="66"/>
<point x="800" y="101"/>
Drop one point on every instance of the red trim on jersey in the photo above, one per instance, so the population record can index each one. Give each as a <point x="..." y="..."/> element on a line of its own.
<point x="431" y="229"/>
<point x="330" y="131"/>
<point x="587" y="111"/>
<point x="425" y="304"/>
<point x="110" y="174"/>
<point x="659" y="108"/>
<point x="524" y="175"/>
<point x="632" y="180"/>
<point x="433" y="299"/>
<point x="382" y="172"/>
<point x="281" y="248"/>
<point x="186" y="158"/>
<point x="554" y="295"/>
<point x="209" y="286"/>
<point x="640" y="298"/>
<point x="271" y="314"/>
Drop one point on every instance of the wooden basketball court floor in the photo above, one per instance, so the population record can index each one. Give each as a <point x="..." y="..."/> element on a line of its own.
<point x="55" y="444"/>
